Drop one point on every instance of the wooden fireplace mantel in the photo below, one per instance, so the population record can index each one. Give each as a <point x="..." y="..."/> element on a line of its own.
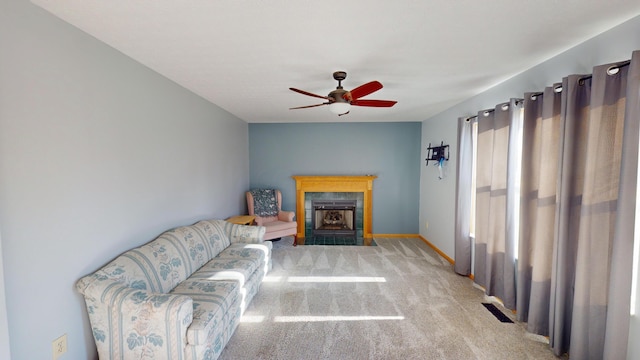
<point x="363" y="184"/>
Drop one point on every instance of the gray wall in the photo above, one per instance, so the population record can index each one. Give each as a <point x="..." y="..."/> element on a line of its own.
<point x="5" y="352"/>
<point x="614" y="45"/>
<point x="98" y="154"/>
<point x="389" y="150"/>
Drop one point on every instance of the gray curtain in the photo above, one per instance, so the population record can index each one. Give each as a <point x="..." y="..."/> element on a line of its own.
<point x="591" y="278"/>
<point x="597" y="229"/>
<point x="462" y="259"/>
<point x="617" y="323"/>
<point x="538" y="204"/>
<point x="495" y="235"/>
<point x="579" y="156"/>
<point x="572" y="151"/>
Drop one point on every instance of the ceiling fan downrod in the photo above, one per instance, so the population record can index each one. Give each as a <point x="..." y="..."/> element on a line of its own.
<point x="339" y="75"/>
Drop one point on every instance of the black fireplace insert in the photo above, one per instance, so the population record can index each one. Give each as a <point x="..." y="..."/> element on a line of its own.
<point x="333" y="217"/>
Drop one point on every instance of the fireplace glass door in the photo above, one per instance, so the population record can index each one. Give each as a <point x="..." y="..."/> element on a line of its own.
<point x="333" y="217"/>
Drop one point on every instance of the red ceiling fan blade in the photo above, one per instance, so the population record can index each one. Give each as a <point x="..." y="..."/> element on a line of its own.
<point x="374" y="103"/>
<point x="365" y="89"/>
<point x="308" y="93"/>
<point x="308" y="106"/>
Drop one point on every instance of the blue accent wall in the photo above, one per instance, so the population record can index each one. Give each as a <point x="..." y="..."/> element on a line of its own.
<point x="390" y="151"/>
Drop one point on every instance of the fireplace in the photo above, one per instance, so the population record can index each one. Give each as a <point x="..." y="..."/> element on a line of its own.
<point x="359" y="188"/>
<point x="333" y="217"/>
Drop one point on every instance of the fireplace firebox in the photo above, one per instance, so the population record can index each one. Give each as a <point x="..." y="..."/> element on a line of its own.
<point x="333" y="217"/>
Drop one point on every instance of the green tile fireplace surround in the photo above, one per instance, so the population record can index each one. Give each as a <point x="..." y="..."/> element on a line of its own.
<point x="358" y="239"/>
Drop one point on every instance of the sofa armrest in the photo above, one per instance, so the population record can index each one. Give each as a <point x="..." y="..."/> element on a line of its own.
<point x="244" y="233"/>
<point x="286" y="216"/>
<point x="127" y="322"/>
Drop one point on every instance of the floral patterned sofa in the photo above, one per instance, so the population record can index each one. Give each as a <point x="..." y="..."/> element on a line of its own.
<point x="179" y="296"/>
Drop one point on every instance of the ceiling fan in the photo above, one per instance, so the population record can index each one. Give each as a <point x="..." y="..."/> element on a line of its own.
<point x="340" y="100"/>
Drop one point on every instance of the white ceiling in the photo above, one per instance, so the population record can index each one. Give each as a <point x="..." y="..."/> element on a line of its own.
<point x="243" y="55"/>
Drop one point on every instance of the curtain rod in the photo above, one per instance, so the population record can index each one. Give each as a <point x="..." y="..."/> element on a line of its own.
<point x="612" y="70"/>
<point x="487" y="111"/>
<point x="535" y="95"/>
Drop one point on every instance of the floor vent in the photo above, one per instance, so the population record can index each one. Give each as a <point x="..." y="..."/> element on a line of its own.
<point x="497" y="313"/>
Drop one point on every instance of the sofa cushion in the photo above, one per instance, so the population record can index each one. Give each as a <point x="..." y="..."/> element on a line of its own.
<point x="227" y="268"/>
<point x="256" y="252"/>
<point x="157" y="266"/>
<point x="214" y="304"/>
<point x="161" y="264"/>
<point x="192" y="244"/>
<point x="214" y="234"/>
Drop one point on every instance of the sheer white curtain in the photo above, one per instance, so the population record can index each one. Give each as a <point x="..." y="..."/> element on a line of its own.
<point x="462" y="264"/>
<point x="496" y="176"/>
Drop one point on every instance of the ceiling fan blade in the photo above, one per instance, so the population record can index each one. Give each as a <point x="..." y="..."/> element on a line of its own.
<point x="308" y="93"/>
<point x="374" y="103"/>
<point x="308" y="106"/>
<point x="365" y="89"/>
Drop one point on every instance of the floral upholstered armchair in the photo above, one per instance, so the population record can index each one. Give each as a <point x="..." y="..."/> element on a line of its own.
<point x="266" y="206"/>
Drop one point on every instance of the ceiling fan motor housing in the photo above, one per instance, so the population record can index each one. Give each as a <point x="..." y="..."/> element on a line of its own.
<point x="337" y="95"/>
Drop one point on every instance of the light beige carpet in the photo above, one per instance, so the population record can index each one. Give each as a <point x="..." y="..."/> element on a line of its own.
<point x="397" y="300"/>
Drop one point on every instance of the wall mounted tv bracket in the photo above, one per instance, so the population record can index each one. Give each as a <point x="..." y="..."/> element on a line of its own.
<point x="437" y="153"/>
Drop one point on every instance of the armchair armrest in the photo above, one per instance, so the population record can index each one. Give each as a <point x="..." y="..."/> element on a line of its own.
<point x="286" y="215"/>
<point x="244" y="233"/>
<point x="128" y="322"/>
<point x="259" y="220"/>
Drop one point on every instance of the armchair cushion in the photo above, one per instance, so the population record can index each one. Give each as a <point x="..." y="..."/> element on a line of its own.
<point x="264" y="202"/>
<point x="275" y="226"/>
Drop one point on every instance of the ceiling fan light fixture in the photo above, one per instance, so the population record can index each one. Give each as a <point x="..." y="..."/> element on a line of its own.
<point x="340" y="100"/>
<point x="339" y="108"/>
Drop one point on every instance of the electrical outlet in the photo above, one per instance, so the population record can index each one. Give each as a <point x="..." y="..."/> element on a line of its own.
<point x="59" y="346"/>
<point x="426" y="224"/>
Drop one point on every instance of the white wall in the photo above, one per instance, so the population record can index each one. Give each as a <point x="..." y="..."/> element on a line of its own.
<point x="98" y="154"/>
<point x="438" y="201"/>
